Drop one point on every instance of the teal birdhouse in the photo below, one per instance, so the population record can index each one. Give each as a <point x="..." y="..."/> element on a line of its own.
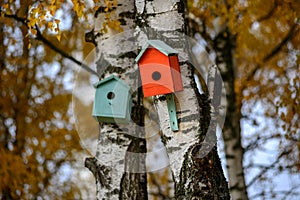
<point x="112" y="102"/>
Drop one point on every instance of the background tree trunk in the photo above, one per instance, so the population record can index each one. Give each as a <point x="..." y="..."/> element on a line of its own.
<point x="224" y="46"/>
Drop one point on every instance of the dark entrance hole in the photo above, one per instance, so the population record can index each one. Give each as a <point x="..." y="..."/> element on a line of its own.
<point x="156" y="75"/>
<point x="111" y="95"/>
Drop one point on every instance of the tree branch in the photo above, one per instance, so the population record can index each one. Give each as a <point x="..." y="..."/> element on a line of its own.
<point x="270" y="13"/>
<point x="266" y="168"/>
<point x="255" y="144"/>
<point x="289" y="36"/>
<point x="281" y="192"/>
<point x="293" y="31"/>
<point x="41" y="38"/>
<point x="15" y="17"/>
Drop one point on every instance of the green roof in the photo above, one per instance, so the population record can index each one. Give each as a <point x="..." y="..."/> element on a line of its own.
<point x="159" y="45"/>
<point x="108" y="79"/>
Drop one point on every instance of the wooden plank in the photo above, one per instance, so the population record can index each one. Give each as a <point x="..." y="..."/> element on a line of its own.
<point x="172" y="112"/>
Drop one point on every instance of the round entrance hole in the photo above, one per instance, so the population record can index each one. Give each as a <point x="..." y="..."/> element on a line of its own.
<point x="111" y="95"/>
<point x="156" y="75"/>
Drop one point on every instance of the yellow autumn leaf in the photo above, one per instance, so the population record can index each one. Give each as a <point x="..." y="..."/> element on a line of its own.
<point x="58" y="36"/>
<point x="5" y="6"/>
<point x="96" y="8"/>
<point x="33" y="31"/>
<point x="50" y="24"/>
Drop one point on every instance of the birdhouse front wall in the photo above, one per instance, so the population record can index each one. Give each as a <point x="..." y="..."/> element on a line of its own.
<point x="156" y="79"/>
<point x="152" y="55"/>
<point x="160" y="74"/>
<point x="112" y="102"/>
<point x="155" y="73"/>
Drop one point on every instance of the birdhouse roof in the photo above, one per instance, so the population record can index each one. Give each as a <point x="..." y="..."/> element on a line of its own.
<point x="109" y="79"/>
<point x="159" y="45"/>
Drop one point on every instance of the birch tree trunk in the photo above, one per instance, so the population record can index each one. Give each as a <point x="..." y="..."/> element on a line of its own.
<point x="193" y="155"/>
<point x="119" y="165"/>
<point x="224" y="45"/>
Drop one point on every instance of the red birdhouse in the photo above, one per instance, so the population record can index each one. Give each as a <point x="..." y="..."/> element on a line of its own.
<point x="159" y="69"/>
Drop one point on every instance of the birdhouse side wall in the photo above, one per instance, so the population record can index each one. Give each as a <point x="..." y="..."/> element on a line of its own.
<point x="176" y="74"/>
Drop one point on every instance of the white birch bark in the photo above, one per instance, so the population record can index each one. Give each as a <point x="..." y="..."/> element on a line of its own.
<point x="165" y="22"/>
<point x="108" y="165"/>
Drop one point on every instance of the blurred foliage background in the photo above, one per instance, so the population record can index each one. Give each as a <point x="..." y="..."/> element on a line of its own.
<point x="40" y="152"/>
<point x="39" y="146"/>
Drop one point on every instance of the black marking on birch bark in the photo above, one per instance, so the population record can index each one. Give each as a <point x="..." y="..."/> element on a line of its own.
<point x="127" y="14"/>
<point x="124" y="15"/>
<point x="100" y="172"/>
<point x="184" y="63"/>
<point x="90" y="37"/>
<point x="105" y="9"/>
<point x="135" y="114"/>
<point x="180" y="6"/>
<point x="161" y="98"/>
<point x="140" y="19"/>
<point x="172" y="149"/>
<point x="164" y="138"/>
<point x="182" y="111"/>
<point x="186" y="87"/>
<point x="113" y="69"/>
<point x="189" y="118"/>
<point x="102" y="64"/>
<point x="185" y="131"/>
<point x="118" y="140"/>
<point x="129" y="54"/>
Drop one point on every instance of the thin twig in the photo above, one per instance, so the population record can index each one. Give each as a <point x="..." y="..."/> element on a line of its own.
<point x="43" y="39"/>
<point x="293" y="31"/>
<point x="40" y="37"/>
<point x="266" y="168"/>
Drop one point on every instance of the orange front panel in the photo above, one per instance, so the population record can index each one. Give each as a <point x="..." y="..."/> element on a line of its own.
<point x="175" y="71"/>
<point x="154" y="89"/>
<point x="156" y="79"/>
<point x="152" y="55"/>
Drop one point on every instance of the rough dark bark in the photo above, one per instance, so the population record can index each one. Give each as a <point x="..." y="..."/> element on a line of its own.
<point x="201" y="175"/>
<point x="134" y="185"/>
<point x="202" y="178"/>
